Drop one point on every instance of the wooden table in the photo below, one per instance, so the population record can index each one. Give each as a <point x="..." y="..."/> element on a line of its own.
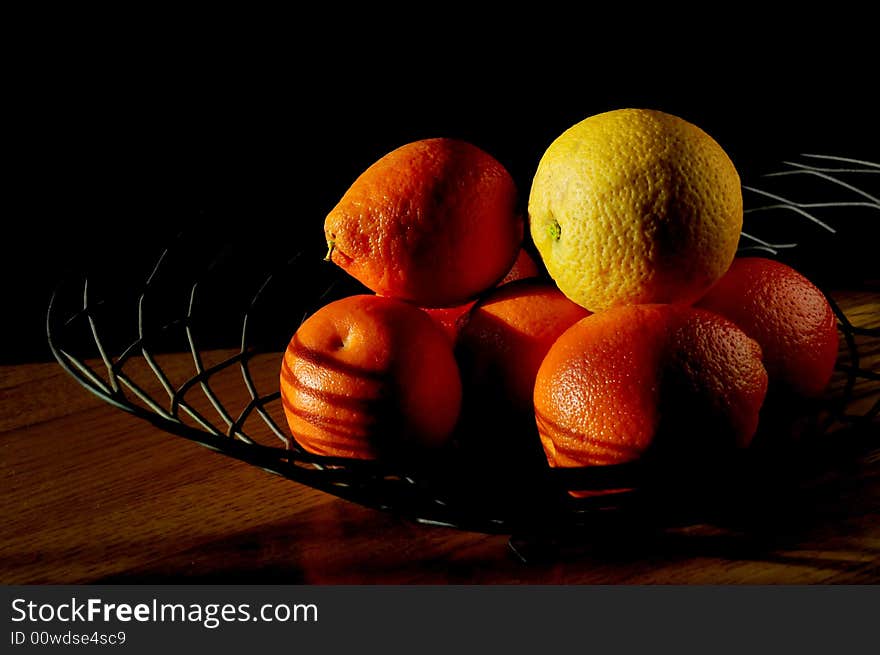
<point x="91" y="494"/>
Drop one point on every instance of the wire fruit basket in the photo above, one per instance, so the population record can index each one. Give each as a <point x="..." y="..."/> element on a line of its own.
<point x="123" y="342"/>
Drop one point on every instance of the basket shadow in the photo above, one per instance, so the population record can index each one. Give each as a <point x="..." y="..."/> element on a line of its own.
<point x="782" y="521"/>
<point x="820" y="528"/>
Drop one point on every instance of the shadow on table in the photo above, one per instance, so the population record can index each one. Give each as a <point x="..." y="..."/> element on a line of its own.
<point x="828" y="526"/>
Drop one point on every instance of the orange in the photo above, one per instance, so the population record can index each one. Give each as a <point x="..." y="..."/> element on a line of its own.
<point x="524" y="267"/>
<point x="499" y="351"/>
<point x="508" y="334"/>
<point x="648" y="378"/>
<point x="451" y="319"/>
<point x="433" y="223"/>
<point x="370" y="377"/>
<point x="785" y="313"/>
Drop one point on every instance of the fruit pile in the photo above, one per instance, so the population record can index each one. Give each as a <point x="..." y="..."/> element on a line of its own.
<point x="647" y="340"/>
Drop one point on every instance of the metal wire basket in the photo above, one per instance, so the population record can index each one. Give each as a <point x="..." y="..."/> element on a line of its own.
<point x="116" y="338"/>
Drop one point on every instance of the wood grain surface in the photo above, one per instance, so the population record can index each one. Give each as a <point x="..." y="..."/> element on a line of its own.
<point x="91" y="494"/>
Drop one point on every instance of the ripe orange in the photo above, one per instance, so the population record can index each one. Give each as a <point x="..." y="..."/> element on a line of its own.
<point x="368" y="377"/>
<point x="638" y="378"/>
<point x="524" y="267"/>
<point x="451" y="319"/>
<point x="787" y="315"/>
<point x="499" y="351"/>
<point x="433" y="223"/>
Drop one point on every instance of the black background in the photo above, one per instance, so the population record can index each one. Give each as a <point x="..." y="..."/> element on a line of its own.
<point x="119" y="140"/>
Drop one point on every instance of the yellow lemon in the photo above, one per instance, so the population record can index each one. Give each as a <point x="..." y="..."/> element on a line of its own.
<point x="635" y="206"/>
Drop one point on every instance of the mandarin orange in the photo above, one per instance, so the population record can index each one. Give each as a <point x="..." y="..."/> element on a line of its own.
<point x="369" y="377"/>
<point x="451" y="319"/>
<point x="499" y="350"/>
<point x="640" y="378"/>
<point x="507" y="335"/>
<point x="787" y="315"/>
<point x="523" y="268"/>
<point x="433" y="222"/>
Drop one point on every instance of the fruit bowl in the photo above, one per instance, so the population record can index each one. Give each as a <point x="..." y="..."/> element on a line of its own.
<point x="122" y="340"/>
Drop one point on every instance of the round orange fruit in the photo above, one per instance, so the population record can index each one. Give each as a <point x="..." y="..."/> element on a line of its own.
<point x="451" y="319"/>
<point x="499" y="350"/>
<point x="507" y="335"/>
<point x="368" y="377"/>
<point x="523" y="268"/>
<point x="648" y="378"/>
<point x="787" y="315"/>
<point x="433" y="223"/>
